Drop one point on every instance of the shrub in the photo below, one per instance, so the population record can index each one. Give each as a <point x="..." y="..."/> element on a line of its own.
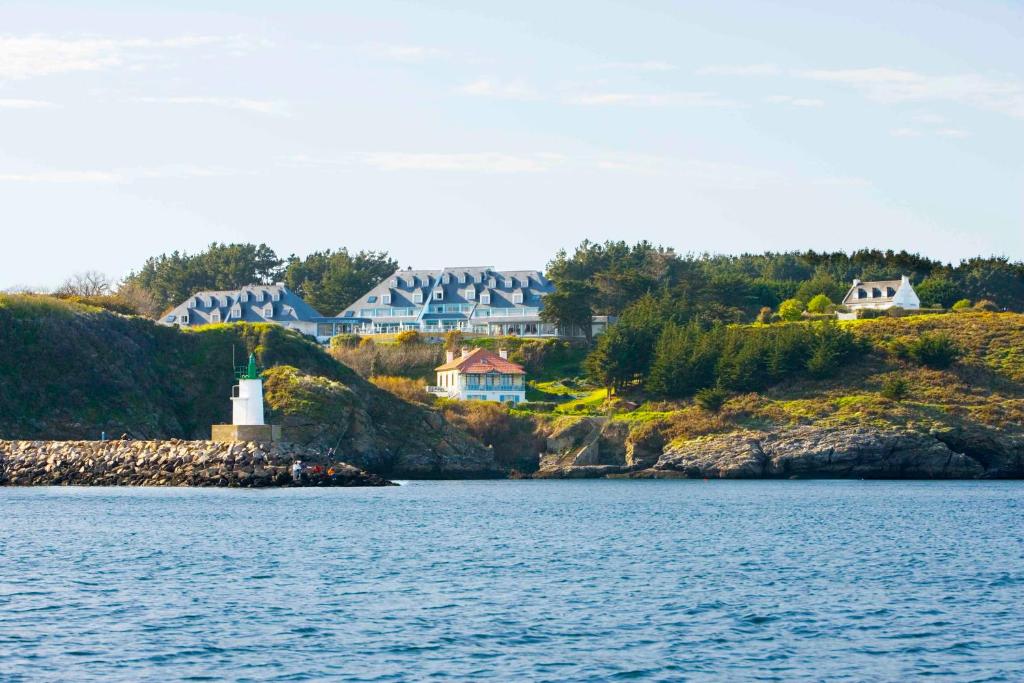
<point x="711" y="399"/>
<point x="404" y="388"/>
<point x="985" y="305"/>
<point x="962" y="305"/>
<point x="870" y="313"/>
<point x="791" y="309"/>
<point x="764" y="316"/>
<point x="897" y="312"/>
<point x="895" y="388"/>
<point x="407" y="337"/>
<point x="453" y="340"/>
<point x="366" y="342"/>
<point x="513" y="436"/>
<point x="409" y="360"/>
<point x="537" y="406"/>
<point x="348" y="341"/>
<point x="936" y="350"/>
<point x="819" y="304"/>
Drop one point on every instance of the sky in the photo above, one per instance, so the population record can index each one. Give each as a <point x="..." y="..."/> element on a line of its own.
<point x="495" y="133"/>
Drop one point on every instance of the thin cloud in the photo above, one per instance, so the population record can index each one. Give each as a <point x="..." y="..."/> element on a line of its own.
<point x="672" y="99"/>
<point x="795" y="101"/>
<point x="126" y="175"/>
<point x="61" y="177"/>
<point x="647" y="65"/>
<point x="908" y="132"/>
<point x="511" y="90"/>
<point x="410" y="54"/>
<point x="31" y="56"/>
<point x="885" y="84"/>
<point x="465" y="163"/>
<point x="258" y="106"/>
<point x="9" y="103"/>
<point x="740" y="70"/>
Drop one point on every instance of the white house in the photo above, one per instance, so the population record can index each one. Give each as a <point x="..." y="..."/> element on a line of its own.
<point x="881" y="294"/>
<point x="481" y="375"/>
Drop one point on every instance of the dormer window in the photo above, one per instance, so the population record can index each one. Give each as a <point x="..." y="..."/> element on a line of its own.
<point x="191" y="303"/>
<point x="462" y="278"/>
<point x="243" y="296"/>
<point x="517" y="298"/>
<point x="508" y="283"/>
<point x="371" y="299"/>
<point x="394" y="283"/>
<point x="236" y="311"/>
<point x="439" y="294"/>
<point x="861" y="294"/>
<point x="268" y="312"/>
<point x="876" y="292"/>
<point x="492" y="283"/>
<point x="480" y="277"/>
<point x="485" y="298"/>
<point x="215" y="316"/>
<point x="889" y="291"/>
<point x="417" y="297"/>
<point x="446" y="278"/>
<point x="275" y="295"/>
<point x="386" y="299"/>
<point x="257" y="296"/>
<point x="471" y="293"/>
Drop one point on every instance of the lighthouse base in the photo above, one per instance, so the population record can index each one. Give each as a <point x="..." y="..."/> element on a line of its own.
<point x="267" y="433"/>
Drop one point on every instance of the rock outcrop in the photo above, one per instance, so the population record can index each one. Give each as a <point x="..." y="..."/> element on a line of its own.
<point x="814" y="452"/>
<point x="168" y="463"/>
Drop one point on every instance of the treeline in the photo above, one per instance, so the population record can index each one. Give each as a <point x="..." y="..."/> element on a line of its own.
<point x="328" y="280"/>
<point x="606" y="279"/>
<point x="675" y="350"/>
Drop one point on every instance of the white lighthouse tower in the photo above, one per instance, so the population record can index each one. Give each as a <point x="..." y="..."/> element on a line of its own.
<point x="247" y="422"/>
<point x="247" y="397"/>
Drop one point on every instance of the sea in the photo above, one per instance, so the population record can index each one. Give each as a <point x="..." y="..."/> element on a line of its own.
<point x="602" y="580"/>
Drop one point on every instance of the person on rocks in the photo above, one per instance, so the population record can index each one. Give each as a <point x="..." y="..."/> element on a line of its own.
<point x="297" y="472"/>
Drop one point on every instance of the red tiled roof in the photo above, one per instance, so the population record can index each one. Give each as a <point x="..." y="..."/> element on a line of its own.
<point x="482" y="361"/>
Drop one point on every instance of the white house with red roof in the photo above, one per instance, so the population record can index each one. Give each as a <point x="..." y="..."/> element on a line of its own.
<point x="481" y="375"/>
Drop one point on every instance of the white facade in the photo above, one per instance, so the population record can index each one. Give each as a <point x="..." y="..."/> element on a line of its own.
<point x="247" y="402"/>
<point x="480" y="375"/>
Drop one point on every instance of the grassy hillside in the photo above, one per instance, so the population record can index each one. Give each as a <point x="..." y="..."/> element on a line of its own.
<point x="70" y="371"/>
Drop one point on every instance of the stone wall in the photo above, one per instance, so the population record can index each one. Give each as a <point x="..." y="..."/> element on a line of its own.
<point x="167" y="463"/>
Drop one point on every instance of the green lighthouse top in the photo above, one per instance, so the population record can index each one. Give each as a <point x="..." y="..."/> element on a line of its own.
<point x="250" y="371"/>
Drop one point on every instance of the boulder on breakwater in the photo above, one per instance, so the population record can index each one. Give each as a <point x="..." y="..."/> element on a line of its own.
<point x="172" y="462"/>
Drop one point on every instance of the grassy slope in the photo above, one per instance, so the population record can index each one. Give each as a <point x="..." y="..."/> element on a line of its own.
<point x="72" y="371"/>
<point x="985" y="389"/>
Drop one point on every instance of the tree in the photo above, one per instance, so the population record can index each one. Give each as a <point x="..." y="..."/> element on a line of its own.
<point x="86" y="283"/>
<point x="937" y="350"/>
<point x="791" y="309"/>
<point x="171" y="278"/>
<point x="408" y="337"/>
<point x="937" y="290"/>
<point x="962" y="305"/>
<point x="820" y="304"/>
<point x="330" y="281"/>
<point x="569" y="308"/>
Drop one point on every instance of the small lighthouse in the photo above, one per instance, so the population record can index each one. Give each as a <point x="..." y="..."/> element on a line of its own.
<point x="247" y="421"/>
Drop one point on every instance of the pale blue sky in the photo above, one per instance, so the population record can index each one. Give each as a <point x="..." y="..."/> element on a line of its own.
<point x="494" y="133"/>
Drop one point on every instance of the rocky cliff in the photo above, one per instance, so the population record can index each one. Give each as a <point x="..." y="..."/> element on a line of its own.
<point x="167" y="463"/>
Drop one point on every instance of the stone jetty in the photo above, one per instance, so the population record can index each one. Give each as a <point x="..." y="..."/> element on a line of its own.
<point x="168" y="463"/>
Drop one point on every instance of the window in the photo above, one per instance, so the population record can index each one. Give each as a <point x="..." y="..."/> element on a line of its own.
<point x="485" y="298"/>
<point x="183" y="319"/>
<point x="480" y="276"/>
<point x="861" y="294"/>
<point x="394" y="283"/>
<point x="268" y="312"/>
<point x="191" y="303"/>
<point x="244" y="296"/>
<point x="517" y="298"/>
<point x="236" y="311"/>
<point x="371" y="299"/>
<point x="876" y="292"/>
<point x="417" y="297"/>
<point x="215" y="316"/>
<point x="386" y="299"/>
<point x="471" y="293"/>
<point x="439" y="294"/>
<point x="508" y="283"/>
<point x="462" y="278"/>
<point x="889" y="291"/>
<point x="446" y="278"/>
<point x="258" y="296"/>
<point x="492" y="283"/>
<point x="275" y="295"/>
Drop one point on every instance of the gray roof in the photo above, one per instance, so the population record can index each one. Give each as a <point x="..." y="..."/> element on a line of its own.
<point x="254" y="303"/>
<point x="453" y="283"/>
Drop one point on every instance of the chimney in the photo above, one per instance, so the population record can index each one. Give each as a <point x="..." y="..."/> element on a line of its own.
<point x="905" y="280"/>
<point x="856" y="282"/>
<point x="465" y="351"/>
<point x="449" y="356"/>
<point x="503" y="353"/>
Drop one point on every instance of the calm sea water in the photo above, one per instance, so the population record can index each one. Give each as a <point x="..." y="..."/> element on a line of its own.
<point x="516" y="581"/>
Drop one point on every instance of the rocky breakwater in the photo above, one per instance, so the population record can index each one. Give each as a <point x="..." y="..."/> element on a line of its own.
<point x="852" y="452"/>
<point x="167" y="463"/>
